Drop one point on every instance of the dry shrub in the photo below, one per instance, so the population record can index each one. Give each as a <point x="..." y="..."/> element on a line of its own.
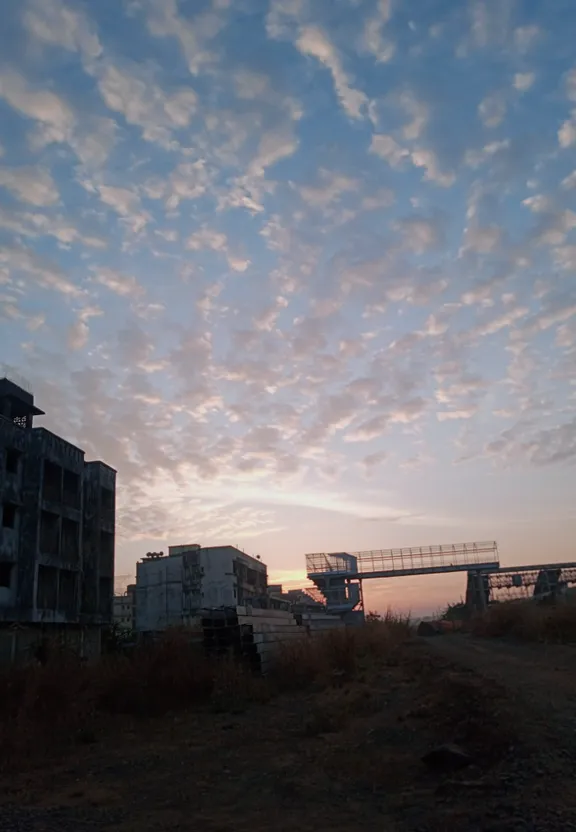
<point x="57" y="704"/>
<point x="339" y="654"/>
<point x="157" y="678"/>
<point x="528" y="621"/>
<point x="65" y="700"/>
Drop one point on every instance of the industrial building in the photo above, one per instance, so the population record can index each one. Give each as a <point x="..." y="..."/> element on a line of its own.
<point x="57" y="531"/>
<point x="171" y="589"/>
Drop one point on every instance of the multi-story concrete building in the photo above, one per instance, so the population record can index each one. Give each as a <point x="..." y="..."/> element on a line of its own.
<point x="56" y="532"/>
<point x="171" y="589"/>
<point x="125" y="608"/>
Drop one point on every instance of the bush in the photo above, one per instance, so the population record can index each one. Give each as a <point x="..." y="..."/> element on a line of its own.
<point x="339" y="654"/>
<point x="66" y="700"/>
<point x="528" y="621"/>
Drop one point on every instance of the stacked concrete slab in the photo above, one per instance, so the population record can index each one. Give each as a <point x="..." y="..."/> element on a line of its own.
<point x="256" y="635"/>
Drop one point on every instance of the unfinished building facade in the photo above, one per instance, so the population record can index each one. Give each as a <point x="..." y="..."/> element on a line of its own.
<point x="57" y="527"/>
<point x="171" y="589"/>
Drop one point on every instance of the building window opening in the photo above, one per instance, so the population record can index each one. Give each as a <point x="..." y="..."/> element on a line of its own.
<point x="71" y="483"/>
<point x="106" y="553"/>
<point x="67" y="591"/>
<point x="52" y="484"/>
<point x="70" y="540"/>
<point x="6" y="575"/>
<point x="49" y="533"/>
<point x="12" y="460"/>
<point x="9" y="511"/>
<point x="105" y="590"/>
<point x="47" y="592"/>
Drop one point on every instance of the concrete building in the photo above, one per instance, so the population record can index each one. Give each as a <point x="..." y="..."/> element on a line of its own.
<point x="171" y="589"/>
<point x="56" y="532"/>
<point x="124" y="608"/>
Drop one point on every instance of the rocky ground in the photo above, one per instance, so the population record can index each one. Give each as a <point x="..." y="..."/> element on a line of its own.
<point x="355" y="755"/>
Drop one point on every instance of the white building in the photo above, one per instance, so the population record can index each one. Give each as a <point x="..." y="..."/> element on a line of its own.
<point x="124" y="608"/>
<point x="171" y="589"/>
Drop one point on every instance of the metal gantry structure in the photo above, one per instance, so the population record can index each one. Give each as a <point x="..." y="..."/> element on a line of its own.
<point x="337" y="576"/>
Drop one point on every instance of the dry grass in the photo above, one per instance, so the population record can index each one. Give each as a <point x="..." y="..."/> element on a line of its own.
<point x="65" y="701"/>
<point x="339" y="655"/>
<point x="529" y="621"/>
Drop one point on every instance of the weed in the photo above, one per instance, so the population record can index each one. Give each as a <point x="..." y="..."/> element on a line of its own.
<point x="528" y="621"/>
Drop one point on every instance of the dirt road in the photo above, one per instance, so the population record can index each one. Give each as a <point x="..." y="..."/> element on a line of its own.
<point x="343" y="758"/>
<point x="542" y="679"/>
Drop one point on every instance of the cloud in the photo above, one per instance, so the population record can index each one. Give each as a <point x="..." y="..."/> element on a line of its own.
<point x="210" y="239"/>
<point x="56" y="24"/>
<point x="90" y="137"/>
<point x="523" y="81"/>
<point x="526" y="36"/>
<point x="79" y="332"/>
<point x="30" y="184"/>
<point x="47" y="275"/>
<point x="567" y="132"/>
<point x="396" y="284"/>
<point x="282" y="17"/>
<point x="188" y="180"/>
<point x="144" y="104"/>
<point x="498" y="323"/>
<point x="373" y="40"/>
<point x="332" y="186"/>
<point x="314" y="41"/>
<point x="427" y="159"/>
<point x="421" y="233"/>
<point x="121" y="284"/>
<point x="42" y="225"/>
<point x="451" y="415"/>
<point x="274" y="145"/>
<point x="419" y="113"/>
<point x="388" y="148"/>
<point x="492" y="109"/>
<point x="194" y="36"/>
<point x="482" y="240"/>
<point x="539" y="447"/>
<point x="47" y="108"/>
<point x="126" y="203"/>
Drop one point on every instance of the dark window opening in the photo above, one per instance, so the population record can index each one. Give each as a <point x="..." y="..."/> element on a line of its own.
<point x="52" y="483"/>
<point x="6" y="575"/>
<point x="9" y="511"/>
<point x="107" y="498"/>
<point x="67" y="592"/>
<point x="105" y="596"/>
<point x="12" y="460"/>
<point x="71" y="483"/>
<point x="106" y="553"/>
<point x="47" y="592"/>
<point x="49" y="533"/>
<point x="70" y="539"/>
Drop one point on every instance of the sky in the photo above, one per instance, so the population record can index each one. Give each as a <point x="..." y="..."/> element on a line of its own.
<point x="302" y="272"/>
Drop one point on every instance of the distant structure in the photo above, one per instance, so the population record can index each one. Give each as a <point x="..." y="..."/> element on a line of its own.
<point x="171" y="589"/>
<point x="56" y="533"/>
<point x="338" y="576"/>
<point x="124" y="608"/>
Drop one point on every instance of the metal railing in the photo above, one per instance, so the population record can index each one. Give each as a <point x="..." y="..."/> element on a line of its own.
<point x="404" y="560"/>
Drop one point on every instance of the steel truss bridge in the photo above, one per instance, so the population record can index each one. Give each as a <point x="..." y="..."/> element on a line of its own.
<point x="338" y="576"/>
